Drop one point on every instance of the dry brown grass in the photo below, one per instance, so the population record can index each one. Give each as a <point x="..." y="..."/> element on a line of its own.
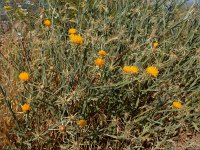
<point x="187" y="141"/>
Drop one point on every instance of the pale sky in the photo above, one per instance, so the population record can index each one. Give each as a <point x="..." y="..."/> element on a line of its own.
<point x="191" y="1"/>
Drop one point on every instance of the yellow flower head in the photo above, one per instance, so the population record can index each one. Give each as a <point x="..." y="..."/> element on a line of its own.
<point x="24" y="76"/>
<point x="7" y="7"/>
<point x="126" y="69"/>
<point x="47" y="23"/>
<point x="99" y="62"/>
<point x="102" y="53"/>
<point x="72" y="31"/>
<point x="155" y="44"/>
<point x="134" y="69"/>
<point x="26" y="107"/>
<point x="82" y="123"/>
<point x="131" y="69"/>
<point x="77" y="39"/>
<point x="152" y="71"/>
<point x="177" y="104"/>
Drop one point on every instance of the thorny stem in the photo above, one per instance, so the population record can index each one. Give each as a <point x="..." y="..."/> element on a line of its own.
<point x="8" y="104"/>
<point x="8" y="61"/>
